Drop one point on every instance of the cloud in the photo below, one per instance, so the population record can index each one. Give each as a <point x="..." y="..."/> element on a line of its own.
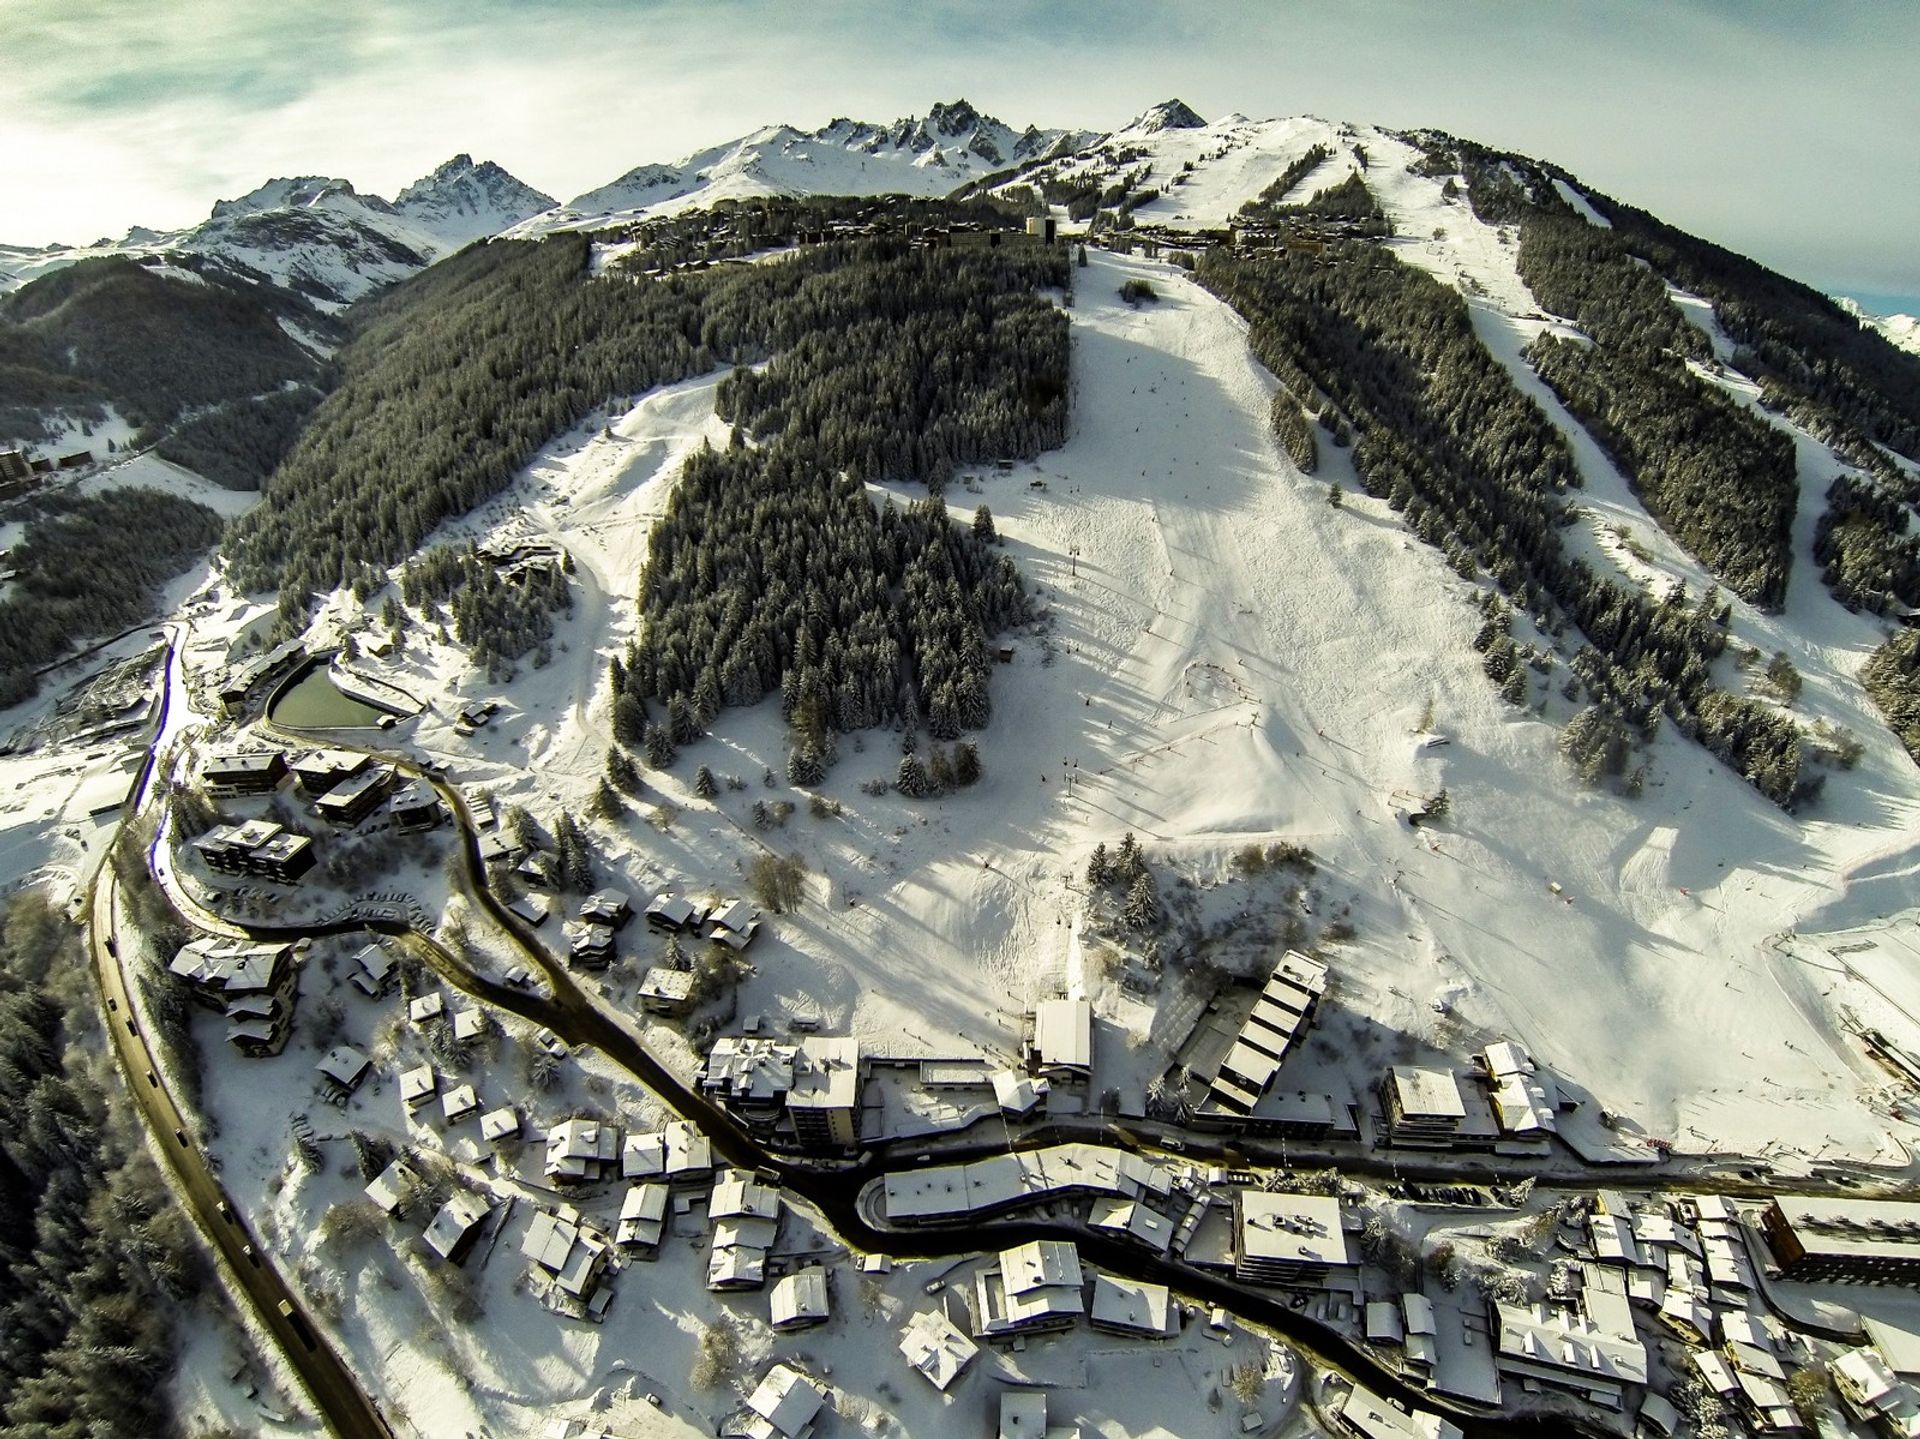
<point x="1781" y="130"/>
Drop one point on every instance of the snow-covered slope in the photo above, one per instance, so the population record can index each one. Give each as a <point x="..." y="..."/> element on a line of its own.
<point x="933" y="154"/>
<point x="1901" y="330"/>
<point x="318" y="236"/>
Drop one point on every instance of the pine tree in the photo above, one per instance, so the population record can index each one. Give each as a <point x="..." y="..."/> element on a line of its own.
<point x="912" y="777"/>
<point x="1127" y="863"/>
<point x="703" y="784"/>
<point x="681" y="722"/>
<point x="606" y="802"/>
<point x="575" y="859"/>
<point x="805" y="766"/>
<point x="630" y="720"/>
<point x="1100" y="867"/>
<point x="983" y="525"/>
<point x="966" y="764"/>
<point x="622" y="771"/>
<point x="940" y="770"/>
<point x="659" y="747"/>
<point x="1515" y="689"/>
<point x="1142" y="912"/>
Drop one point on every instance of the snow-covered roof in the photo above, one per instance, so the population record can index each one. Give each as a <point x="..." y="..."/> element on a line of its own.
<point x="1372" y="1417"/>
<point x="800" y="1298"/>
<point x="788" y="1400"/>
<point x="1563" y="1339"/>
<point x="1427" y="1093"/>
<point x="344" y="1065"/>
<point x="737" y="1193"/>
<point x="457" y="1218"/>
<point x="935" y="1348"/>
<point x="1129" y="1304"/>
<point x="392" y="1185"/>
<point x="1063" y="1033"/>
<point x="1302" y="1228"/>
<point x="501" y="1123"/>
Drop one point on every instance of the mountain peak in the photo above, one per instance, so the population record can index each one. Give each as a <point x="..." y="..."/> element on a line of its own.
<point x="461" y="201"/>
<point x="1168" y="115"/>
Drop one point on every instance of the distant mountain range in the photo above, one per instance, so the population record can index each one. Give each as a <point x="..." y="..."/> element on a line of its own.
<point x="329" y="243"/>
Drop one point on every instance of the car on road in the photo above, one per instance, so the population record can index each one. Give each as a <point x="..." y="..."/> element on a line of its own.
<point x="656" y="1401"/>
<point x="253" y="1256"/>
<point x="181" y="1135"/>
<point x="226" y="1211"/>
<point x="153" y="1079"/>
<point x="297" y="1322"/>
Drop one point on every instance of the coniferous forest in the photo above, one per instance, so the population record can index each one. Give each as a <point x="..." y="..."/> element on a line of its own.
<point x="92" y="1246"/>
<point x="88" y="566"/>
<point x="1442" y="433"/>
<point x="774" y="568"/>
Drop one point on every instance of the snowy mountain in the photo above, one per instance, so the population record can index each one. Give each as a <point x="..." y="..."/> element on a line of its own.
<point x="1901" y="330"/>
<point x="935" y="154"/>
<point x="320" y="237"/>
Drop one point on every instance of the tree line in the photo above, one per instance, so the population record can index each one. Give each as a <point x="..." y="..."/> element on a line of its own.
<point x="774" y="569"/>
<point x="1718" y="478"/>
<point x="94" y="1254"/>
<point x="88" y="566"/>
<point x="1443" y="434"/>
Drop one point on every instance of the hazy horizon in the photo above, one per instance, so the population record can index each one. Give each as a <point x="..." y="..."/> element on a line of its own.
<point x="1763" y="126"/>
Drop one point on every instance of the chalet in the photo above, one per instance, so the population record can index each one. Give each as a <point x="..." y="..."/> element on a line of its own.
<point x="734" y="924"/>
<point x="1296" y="1240"/>
<point x="1062" y="1046"/>
<point x="675" y="912"/>
<point x="746" y="1220"/>
<point x="257" y="1025"/>
<point x="374" y="970"/>
<point x="428" y="1006"/>
<point x="572" y="1256"/>
<point x="393" y="1186"/>
<point x="936" y="1349"/>
<point x="533" y="908"/>
<point x="1421" y="1107"/>
<point x="666" y="992"/>
<point x="500" y="1126"/>
<point x="458" y="1103"/>
<point x="800" y="1300"/>
<point x="416" y="807"/>
<point x="1132" y="1309"/>
<point x="784" y="1406"/>
<point x="643" y="1217"/>
<point x="581" y="1151"/>
<point x="417" y="1086"/>
<point x="1526" y="1102"/>
<point x="689" y="1153"/>
<point x="1033" y="1288"/>
<point x="452" y="1232"/>
<point x="608" y="907"/>
<point x="344" y="1067"/>
<point x="468" y="1025"/>
<point x="352" y="800"/>
<point x="14" y="465"/>
<point x="589" y="945"/>
<point x="1850" y="1241"/>
<point x="236" y="772"/>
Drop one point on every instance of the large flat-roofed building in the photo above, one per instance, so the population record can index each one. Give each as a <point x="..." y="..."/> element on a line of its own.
<point x="1421" y="1106"/>
<point x="1853" y="1241"/>
<point x="1289" y="1239"/>
<point x="1368" y="1415"/>
<point x="811" y="1086"/>
<point x="352" y="800"/>
<point x="1062" y="1047"/>
<point x="259" y="847"/>
<point x="1280" y="1017"/>
<point x="231" y="772"/>
<point x="1132" y="1308"/>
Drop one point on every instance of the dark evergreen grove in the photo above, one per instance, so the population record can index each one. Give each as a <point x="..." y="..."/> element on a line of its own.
<point x="773" y="569"/>
<point x="1443" y="434"/>
<point x="456" y="377"/>
<point x="1262" y="206"/>
<point x="88" y="566"/>
<point x="238" y="445"/>
<point x="497" y="619"/>
<point x="114" y="331"/>
<point x="92" y="1246"/>
<point x="1718" y="478"/>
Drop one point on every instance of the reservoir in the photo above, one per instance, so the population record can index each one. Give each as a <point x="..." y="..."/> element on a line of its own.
<point x="311" y="701"/>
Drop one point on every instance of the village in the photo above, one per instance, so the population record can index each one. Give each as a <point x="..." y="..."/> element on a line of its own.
<point x="483" y="1142"/>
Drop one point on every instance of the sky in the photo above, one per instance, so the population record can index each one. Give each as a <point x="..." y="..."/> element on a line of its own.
<point x="1780" y="128"/>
